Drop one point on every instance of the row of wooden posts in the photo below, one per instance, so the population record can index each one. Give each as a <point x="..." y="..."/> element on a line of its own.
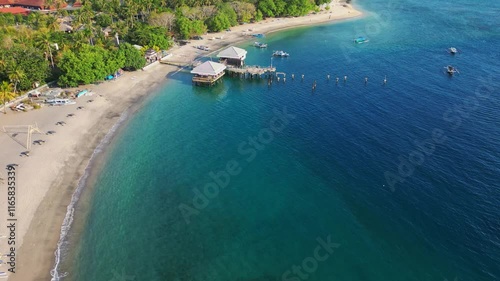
<point x="337" y="79"/>
<point x="281" y="76"/>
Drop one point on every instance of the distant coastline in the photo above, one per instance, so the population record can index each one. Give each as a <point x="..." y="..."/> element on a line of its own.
<point x="338" y="11"/>
<point x="56" y="167"/>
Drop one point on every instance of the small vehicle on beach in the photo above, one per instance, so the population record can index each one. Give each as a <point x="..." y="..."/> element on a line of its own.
<point x="34" y="94"/>
<point x="203" y="48"/>
<point x="19" y="107"/>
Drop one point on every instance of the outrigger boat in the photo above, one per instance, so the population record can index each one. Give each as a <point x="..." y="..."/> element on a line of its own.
<point x="453" y="50"/>
<point x="260" y="45"/>
<point x="360" y="40"/>
<point x="451" y="70"/>
<point x="280" y="54"/>
<point x="60" y="102"/>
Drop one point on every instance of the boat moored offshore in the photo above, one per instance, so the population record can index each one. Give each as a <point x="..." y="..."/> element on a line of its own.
<point x="281" y="54"/>
<point x="260" y="45"/>
<point x="451" y="70"/>
<point x="360" y="40"/>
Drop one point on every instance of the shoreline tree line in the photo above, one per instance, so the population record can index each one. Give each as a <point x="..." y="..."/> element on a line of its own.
<point x="79" y="46"/>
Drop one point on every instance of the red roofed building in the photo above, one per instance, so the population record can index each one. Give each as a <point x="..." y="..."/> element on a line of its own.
<point x="15" y="11"/>
<point x="28" y="4"/>
<point x="6" y="2"/>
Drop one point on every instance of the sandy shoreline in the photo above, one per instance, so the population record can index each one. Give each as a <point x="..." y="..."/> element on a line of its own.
<point x="47" y="178"/>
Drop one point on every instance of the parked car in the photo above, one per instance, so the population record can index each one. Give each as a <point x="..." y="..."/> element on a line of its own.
<point x="34" y="94"/>
<point x="19" y="107"/>
<point x="183" y="42"/>
<point x="204" y="48"/>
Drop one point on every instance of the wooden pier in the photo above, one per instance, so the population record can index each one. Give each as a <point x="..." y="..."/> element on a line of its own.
<point x="251" y="71"/>
<point x="175" y="63"/>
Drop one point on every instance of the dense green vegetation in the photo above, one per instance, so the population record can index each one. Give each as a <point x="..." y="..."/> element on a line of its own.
<point x="80" y="46"/>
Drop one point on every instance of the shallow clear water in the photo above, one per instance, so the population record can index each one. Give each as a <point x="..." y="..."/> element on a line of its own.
<point x="322" y="175"/>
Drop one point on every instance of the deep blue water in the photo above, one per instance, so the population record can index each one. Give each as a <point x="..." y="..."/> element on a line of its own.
<point x="322" y="174"/>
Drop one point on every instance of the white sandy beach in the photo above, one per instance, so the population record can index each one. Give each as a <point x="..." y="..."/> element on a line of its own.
<point x="47" y="178"/>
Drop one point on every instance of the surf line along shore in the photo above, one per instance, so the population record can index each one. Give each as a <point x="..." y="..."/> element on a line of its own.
<point x="52" y="171"/>
<point x="46" y="180"/>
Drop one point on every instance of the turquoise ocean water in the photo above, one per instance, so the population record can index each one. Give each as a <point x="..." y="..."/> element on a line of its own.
<point x="325" y="173"/>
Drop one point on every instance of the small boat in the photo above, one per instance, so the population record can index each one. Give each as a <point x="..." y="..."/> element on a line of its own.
<point x="260" y="45"/>
<point x="280" y="54"/>
<point x="451" y="70"/>
<point x="259" y="35"/>
<point x="54" y="102"/>
<point x="453" y="50"/>
<point x="360" y="40"/>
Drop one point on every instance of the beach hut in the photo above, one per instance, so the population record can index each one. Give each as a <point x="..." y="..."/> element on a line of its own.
<point x="233" y="56"/>
<point x="208" y="73"/>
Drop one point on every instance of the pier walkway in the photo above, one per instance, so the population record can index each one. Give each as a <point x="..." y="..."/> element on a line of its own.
<point x="250" y="71"/>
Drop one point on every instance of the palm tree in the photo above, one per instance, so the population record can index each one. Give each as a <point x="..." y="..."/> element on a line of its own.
<point x="83" y="17"/>
<point x="53" y="24"/>
<point x="130" y="11"/>
<point x="7" y="94"/>
<point x="3" y="63"/>
<point x="42" y="40"/>
<point x="33" y="19"/>
<point x="89" y="33"/>
<point x="112" y="7"/>
<point x="58" y="4"/>
<point x="15" y="77"/>
<point x="79" y="39"/>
